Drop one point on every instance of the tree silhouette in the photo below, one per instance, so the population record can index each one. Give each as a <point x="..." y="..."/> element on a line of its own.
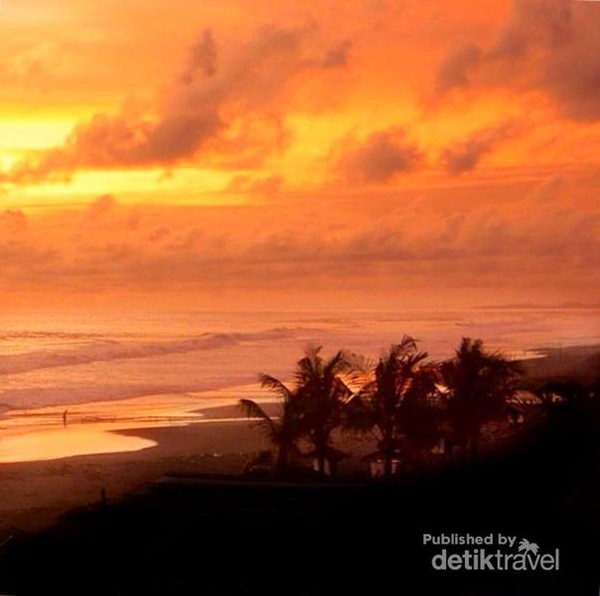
<point x="322" y="397"/>
<point x="311" y="410"/>
<point x="283" y="430"/>
<point x="479" y="384"/>
<point x="397" y="403"/>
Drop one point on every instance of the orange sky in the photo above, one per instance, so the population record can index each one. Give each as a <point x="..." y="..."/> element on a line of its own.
<point x="241" y="154"/>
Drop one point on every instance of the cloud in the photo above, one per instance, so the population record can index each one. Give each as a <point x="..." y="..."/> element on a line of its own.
<point x="550" y="46"/>
<point x="535" y="24"/>
<point x="307" y="245"/>
<point x="455" y="69"/>
<point x="549" y="191"/>
<point x="224" y="97"/>
<point x="29" y="66"/>
<point x="337" y="56"/>
<point x="465" y="156"/>
<point x="12" y="221"/>
<point x="378" y="158"/>
<point x="99" y="208"/>
<point x="267" y="186"/>
<point x="202" y="58"/>
<point x="158" y="234"/>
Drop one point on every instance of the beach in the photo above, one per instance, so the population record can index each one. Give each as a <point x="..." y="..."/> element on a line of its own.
<point x="98" y="404"/>
<point x="33" y="494"/>
<point x="137" y="448"/>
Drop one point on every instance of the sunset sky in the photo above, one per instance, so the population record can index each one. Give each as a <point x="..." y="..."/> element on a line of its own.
<point x="266" y="154"/>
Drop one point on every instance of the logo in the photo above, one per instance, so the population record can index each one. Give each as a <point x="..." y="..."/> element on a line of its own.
<point x="490" y="552"/>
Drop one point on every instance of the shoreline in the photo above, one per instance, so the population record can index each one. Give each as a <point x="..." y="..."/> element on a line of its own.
<point x="148" y="437"/>
<point x="55" y="432"/>
<point x="34" y="494"/>
<point x="205" y="436"/>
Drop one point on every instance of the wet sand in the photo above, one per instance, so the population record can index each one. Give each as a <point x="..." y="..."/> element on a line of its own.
<point x="33" y="494"/>
<point x="123" y="454"/>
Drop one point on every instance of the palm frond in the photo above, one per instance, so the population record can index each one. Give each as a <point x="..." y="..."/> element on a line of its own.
<point x="275" y="385"/>
<point x="407" y="345"/>
<point x="252" y="410"/>
<point x="337" y="364"/>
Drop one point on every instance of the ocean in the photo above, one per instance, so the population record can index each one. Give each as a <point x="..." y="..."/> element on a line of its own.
<point x="81" y="384"/>
<point x="61" y="359"/>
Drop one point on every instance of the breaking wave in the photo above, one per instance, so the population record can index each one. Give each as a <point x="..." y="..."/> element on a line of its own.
<point x="96" y="349"/>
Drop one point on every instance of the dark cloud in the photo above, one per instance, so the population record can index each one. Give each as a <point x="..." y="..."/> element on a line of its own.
<point x="236" y="88"/>
<point x="548" y="45"/>
<point x="535" y="24"/>
<point x="377" y="159"/>
<point x="455" y="69"/>
<point x="337" y="57"/>
<point x="465" y="156"/>
<point x="202" y="58"/>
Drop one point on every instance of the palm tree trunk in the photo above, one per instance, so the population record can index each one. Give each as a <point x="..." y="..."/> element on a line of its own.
<point x="321" y="443"/>
<point x="321" y="459"/>
<point x="387" y="466"/>
<point x="388" y="453"/>
<point x="464" y="451"/>
<point x="387" y="459"/>
<point x="282" y="460"/>
<point x="474" y="449"/>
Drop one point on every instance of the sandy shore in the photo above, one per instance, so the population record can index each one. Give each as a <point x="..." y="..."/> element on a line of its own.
<point x="49" y="465"/>
<point x="33" y="494"/>
<point x="188" y="435"/>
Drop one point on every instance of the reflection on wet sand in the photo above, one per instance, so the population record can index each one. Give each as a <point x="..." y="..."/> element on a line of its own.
<point x="67" y="442"/>
<point x="52" y="432"/>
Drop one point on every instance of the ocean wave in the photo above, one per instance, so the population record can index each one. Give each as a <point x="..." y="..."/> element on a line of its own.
<point x="109" y="349"/>
<point x="67" y="395"/>
<point x="62" y="335"/>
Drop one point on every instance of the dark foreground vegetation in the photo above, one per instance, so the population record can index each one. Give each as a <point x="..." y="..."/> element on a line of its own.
<point x="412" y="411"/>
<point x="328" y="536"/>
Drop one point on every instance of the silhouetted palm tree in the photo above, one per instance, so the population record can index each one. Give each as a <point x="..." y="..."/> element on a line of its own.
<point x="397" y="403"/>
<point x="282" y="431"/>
<point x="322" y="397"/>
<point x="479" y="384"/>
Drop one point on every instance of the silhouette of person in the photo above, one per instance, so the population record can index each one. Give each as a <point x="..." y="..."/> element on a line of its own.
<point x="65" y="413"/>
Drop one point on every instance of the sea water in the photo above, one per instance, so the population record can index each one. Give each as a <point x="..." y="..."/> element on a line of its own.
<point x="54" y="359"/>
<point x="98" y="374"/>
